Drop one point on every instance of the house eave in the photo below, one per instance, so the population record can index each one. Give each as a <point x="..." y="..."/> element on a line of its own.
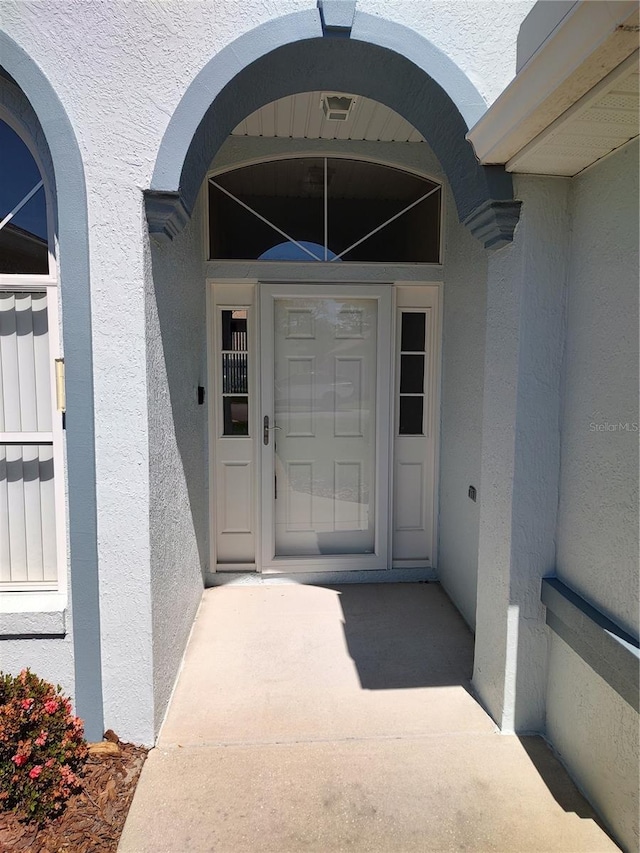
<point x="591" y="41"/>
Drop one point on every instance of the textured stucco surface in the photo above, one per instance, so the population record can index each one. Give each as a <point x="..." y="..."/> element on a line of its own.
<point x="594" y="730"/>
<point x="526" y="292"/>
<point x="51" y="659"/>
<point x="479" y="37"/>
<point x="595" y="733"/>
<point x="464" y="321"/>
<point x="176" y="365"/>
<point x="598" y="512"/>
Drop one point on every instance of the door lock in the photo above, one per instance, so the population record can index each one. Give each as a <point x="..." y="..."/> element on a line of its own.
<point x="267" y="429"/>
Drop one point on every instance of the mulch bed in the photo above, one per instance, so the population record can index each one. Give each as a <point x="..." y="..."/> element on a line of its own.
<point x="93" y="819"/>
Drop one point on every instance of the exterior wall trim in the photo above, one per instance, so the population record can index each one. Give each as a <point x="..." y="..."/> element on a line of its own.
<point x="32" y="624"/>
<point x="337" y="17"/>
<point x="167" y="214"/>
<point x="494" y="222"/>
<point x="604" y="646"/>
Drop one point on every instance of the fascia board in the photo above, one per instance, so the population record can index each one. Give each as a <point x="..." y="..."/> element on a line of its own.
<point x="591" y="41"/>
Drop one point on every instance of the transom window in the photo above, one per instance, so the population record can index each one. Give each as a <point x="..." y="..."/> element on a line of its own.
<point x="324" y="209"/>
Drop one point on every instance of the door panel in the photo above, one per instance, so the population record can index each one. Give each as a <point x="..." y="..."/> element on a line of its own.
<point x="325" y="357"/>
<point x="324" y="408"/>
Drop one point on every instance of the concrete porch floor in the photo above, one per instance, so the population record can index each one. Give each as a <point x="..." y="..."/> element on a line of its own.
<point x="341" y="719"/>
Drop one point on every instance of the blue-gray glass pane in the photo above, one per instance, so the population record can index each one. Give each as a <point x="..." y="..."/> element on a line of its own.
<point x="411" y="409"/>
<point x="413" y="328"/>
<point x="411" y="374"/>
<point x="23" y="240"/>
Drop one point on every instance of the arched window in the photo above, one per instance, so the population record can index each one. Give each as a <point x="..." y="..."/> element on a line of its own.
<point x="31" y="495"/>
<point x="23" y="208"/>
<point x="324" y="209"/>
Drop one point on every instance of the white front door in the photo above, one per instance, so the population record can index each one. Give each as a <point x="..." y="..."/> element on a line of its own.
<point x="325" y="418"/>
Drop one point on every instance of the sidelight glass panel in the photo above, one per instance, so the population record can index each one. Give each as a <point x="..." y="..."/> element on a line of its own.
<point x="234" y="373"/>
<point x="413" y="328"/>
<point x="236" y="416"/>
<point x="411" y="411"/>
<point x="411" y="374"/>
<point x="413" y="359"/>
<point x="235" y="380"/>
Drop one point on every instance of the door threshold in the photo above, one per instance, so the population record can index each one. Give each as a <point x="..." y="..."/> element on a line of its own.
<point x="321" y="578"/>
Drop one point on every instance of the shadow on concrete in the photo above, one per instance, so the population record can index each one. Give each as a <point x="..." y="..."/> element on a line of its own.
<point x="555" y="776"/>
<point x="558" y="782"/>
<point x="402" y="636"/>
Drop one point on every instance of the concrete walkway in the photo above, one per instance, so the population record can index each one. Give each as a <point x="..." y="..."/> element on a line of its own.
<point x="340" y="719"/>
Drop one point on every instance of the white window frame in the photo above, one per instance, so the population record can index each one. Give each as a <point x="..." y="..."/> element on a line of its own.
<point x="25" y="596"/>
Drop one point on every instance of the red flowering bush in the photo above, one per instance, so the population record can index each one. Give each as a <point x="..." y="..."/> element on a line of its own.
<point x="42" y="746"/>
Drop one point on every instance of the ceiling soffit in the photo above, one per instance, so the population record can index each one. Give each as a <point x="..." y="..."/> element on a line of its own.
<point x="301" y="116"/>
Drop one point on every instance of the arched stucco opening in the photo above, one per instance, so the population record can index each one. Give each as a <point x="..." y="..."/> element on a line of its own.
<point x="401" y="70"/>
<point x="32" y="99"/>
<point x="374" y="58"/>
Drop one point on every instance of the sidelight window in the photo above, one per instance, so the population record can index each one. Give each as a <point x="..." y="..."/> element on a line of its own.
<point x="412" y="372"/>
<point x="235" y="380"/>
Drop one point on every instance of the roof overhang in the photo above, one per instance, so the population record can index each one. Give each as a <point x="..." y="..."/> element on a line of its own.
<point x="592" y="50"/>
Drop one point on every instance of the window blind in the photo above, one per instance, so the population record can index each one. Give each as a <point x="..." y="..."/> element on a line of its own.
<point x="27" y="495"/>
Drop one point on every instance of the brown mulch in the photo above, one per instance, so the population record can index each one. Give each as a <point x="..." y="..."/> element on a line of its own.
<point x="93" y="819"/>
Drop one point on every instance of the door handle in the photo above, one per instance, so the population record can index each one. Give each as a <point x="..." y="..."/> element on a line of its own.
<point x="267" y="429"/>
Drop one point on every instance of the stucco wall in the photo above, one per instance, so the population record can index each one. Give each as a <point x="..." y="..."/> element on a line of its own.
<point x="176" y="365"/>
<point x="464" y="322"/>
<point x="596" y="734"/>
<point x="51" y="659"/>
<point x="595" y="731"/>
<point x="598" y="512"/>
<point x="526" y="294"/>
<point x="479" y="37"/>
<point x="132" y="63"/>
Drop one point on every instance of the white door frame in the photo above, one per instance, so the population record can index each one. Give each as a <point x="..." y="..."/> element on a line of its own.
<point x="376" y="278"/>
<point x="381" y="556"/>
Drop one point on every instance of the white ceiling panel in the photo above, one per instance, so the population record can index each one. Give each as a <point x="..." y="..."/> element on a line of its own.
<point x="301" y="117"/>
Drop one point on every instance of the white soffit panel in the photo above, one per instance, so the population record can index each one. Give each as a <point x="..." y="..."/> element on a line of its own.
<point x="301" y="117"/>
<point x="601" y="121"/>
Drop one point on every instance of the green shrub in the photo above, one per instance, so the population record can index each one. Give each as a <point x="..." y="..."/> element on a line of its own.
<point x="42" y="746"/>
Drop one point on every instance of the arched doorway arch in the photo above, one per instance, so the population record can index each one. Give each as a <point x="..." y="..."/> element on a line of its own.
<point x="380" y="60"/>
